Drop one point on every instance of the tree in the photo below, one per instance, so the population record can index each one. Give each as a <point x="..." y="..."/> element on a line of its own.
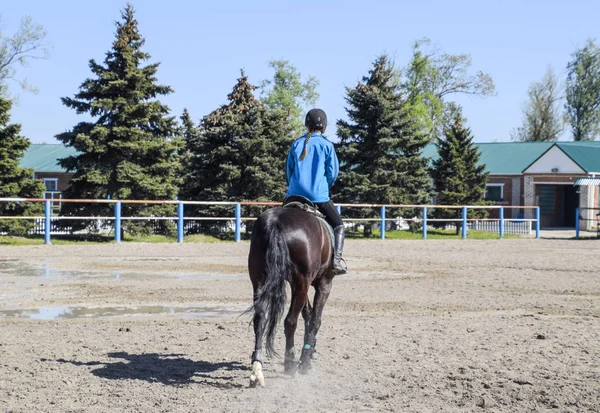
<point x="542" y="118"/>
<point x="241" y="153"/>
<point x="380" y="148"/>
<point x="131" y="149"/>
<point x="190" y="159"/>
<point x="583" y="92"/>
<point x="288" y="94"/>
<point x="17" y="50"/>
<point x="15" y="182"/>
<point x="432" y="76"/>
<point x="458" y="176"/>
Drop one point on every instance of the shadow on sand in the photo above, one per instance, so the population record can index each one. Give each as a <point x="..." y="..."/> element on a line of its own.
<point x="170" y="369"/>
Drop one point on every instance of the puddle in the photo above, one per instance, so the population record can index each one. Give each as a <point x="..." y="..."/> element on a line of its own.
<point x="21" y="269"/>
<point x="68" y="312"/>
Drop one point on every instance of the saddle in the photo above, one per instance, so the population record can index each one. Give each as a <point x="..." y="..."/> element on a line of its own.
<point x="305" y="204"/>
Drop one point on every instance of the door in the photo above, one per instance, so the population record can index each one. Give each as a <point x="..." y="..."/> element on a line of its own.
<point x="549" y="199"/>
<point x="571" y="204"/>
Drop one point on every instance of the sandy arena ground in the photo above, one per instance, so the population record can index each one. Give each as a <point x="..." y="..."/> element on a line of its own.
<point x="419" y="326"/>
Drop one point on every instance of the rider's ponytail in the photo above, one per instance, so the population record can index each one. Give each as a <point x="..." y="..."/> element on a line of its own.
<point x="303" y="155"/>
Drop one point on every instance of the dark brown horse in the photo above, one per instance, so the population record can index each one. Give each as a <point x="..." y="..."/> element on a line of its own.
<point x="292" y="245"/>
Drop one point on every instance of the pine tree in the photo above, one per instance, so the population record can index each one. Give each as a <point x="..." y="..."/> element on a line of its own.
<point x="241" y="153"/>
<point x="191" y="157"/>
<point x="458" y="176"/>
<point x="15" y="182"/>
<point x="131" y="149"/>
<point x="380" y="149"/>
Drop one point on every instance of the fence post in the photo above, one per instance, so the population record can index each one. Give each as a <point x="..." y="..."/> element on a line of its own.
<point x="501" y="222"/>
<point x="118" y="221"/>
<point x="180" y="222"/>
<point x="47" y="212"/>
<point x="238" y="222"/>
<point x="537" y="222"/>
<point x="464" y="222"/>
<point x="382" y="215"/>
<point x="577" y="223"/>
<point x="424" y="222"/>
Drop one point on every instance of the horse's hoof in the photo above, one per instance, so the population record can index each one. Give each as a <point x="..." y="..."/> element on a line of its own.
<point x="256" y="380"/>
<point x="290" y="367"/>
<point x="257" y="376"/>
<point x="304" y="367"/>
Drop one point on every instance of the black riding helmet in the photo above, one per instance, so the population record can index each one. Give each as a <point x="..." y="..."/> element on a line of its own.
<point x="316" y="119"/>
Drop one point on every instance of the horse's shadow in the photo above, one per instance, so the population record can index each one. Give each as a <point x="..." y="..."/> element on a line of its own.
<point x="170" y="369"/>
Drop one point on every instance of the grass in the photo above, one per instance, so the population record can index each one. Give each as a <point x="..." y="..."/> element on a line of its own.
<point x="8" y="240"/>
<point x="101" y="239"/>
<point x="201" y="238"/>
<point x="431" y="234"/>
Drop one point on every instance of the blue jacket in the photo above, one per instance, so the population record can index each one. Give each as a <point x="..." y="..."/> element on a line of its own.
<point x="315" y="174"/>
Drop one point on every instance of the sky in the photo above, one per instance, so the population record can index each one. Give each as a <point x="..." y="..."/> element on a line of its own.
<point x="203" y="45"/>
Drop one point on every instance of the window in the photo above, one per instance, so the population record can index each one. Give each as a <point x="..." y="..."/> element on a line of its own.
<point x="51" y="184"/>
<point x="494" y="192"/>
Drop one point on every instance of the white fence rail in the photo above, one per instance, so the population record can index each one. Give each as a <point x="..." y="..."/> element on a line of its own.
<point x="510" y="227"/>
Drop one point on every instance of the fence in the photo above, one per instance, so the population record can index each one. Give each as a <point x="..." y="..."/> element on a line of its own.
<point x="579" y="218"/>
<point x="237" y="217"/>
<point x="519" y="227"/>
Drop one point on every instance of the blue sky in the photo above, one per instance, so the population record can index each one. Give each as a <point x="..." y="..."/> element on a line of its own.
<point x="203" y="45"/>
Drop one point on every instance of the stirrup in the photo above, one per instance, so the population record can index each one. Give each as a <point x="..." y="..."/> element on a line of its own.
<point x="342" y="270"/>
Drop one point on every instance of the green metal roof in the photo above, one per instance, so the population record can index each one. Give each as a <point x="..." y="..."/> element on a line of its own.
<point x="515" y="157"/>
<point x="43" y="157"/>
<point x="584" y="154"/>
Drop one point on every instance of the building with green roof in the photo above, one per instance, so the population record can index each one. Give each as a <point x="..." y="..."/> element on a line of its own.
<point x="559" y="177"/>
<point x="43" y="159"/>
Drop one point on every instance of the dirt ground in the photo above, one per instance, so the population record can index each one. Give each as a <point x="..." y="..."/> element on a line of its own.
<point x="418" y="326"/>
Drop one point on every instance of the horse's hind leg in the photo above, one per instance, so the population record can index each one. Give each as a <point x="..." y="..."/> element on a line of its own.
<point x="307" y="315"/>
<point x="299" y="299"/>
<point x="259" y="322"/>
<point x="322" y="291"/>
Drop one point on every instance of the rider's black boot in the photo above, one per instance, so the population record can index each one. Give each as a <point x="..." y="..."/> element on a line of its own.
<point x="339" y="265"/>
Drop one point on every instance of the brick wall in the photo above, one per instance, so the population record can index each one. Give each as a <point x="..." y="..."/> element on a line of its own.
<point x="63" y="178"/>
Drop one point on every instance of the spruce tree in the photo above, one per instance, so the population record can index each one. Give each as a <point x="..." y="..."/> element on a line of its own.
<point x="130" y="150"/>
<point x="15" y="182"/>
<point x="459" y="178"/>
<point x="191" y="157"/>
<point x="380" y="148"/>
<point x="241" y="153"/>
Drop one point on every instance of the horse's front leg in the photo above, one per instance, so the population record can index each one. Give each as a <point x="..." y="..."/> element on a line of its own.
<point x="299" y="298"/>
<point x="322" y="291"/>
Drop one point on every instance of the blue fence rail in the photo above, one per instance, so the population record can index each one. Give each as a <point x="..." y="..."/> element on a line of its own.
<point x="238" y="219"/>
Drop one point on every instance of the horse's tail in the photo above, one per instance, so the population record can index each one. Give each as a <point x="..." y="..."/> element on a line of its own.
<point x="271" y="297"/>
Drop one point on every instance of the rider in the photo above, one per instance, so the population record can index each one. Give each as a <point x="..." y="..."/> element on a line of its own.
<point x="311" y="169"/>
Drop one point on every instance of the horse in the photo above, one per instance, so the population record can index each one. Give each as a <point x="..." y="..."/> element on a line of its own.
<point x="293" y="245"/>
